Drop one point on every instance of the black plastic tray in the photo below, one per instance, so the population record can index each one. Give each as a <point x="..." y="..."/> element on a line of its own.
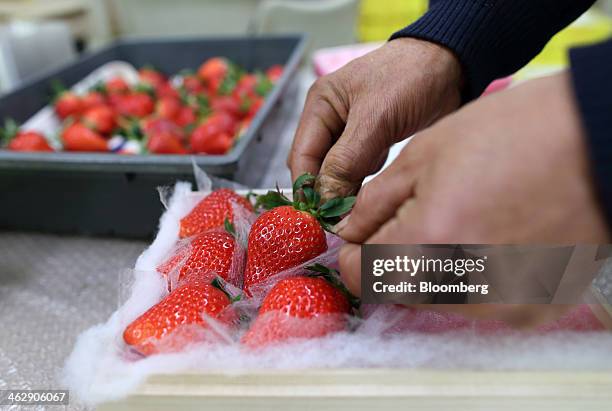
<point x="109" y="194"/>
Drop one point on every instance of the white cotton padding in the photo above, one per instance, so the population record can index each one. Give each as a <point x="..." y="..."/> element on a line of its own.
<point x="100" y="369"/>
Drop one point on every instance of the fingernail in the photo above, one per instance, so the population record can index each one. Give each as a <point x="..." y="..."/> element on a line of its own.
<point x="341" y="225"/>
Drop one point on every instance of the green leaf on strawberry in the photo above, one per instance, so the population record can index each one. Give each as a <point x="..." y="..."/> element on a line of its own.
<point x="10" y="130"/>
<point x="333" y="277"/>
<point x="306" y="198"/>
<point x="264" y="85"/>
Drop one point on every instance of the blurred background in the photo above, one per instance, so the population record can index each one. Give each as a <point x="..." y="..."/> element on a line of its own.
<point x="37" y="35"/>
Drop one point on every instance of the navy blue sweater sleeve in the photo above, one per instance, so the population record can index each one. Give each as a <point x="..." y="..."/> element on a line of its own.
<point x="493" y="38"/>
<point x="592" y="80"/>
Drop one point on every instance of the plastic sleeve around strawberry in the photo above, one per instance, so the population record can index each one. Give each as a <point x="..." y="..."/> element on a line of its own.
<point x="187" y="255"/>
<point x="329" y="259"/>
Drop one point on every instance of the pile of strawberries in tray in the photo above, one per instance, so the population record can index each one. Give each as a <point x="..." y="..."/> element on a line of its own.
<point x="204" y="112"/>
<point x="264" y="286"/>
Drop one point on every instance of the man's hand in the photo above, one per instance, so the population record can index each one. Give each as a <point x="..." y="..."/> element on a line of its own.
<point x="351" y="117"/>
<point x="510" y="168"/>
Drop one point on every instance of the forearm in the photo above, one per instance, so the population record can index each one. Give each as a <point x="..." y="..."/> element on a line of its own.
<point x="493" y="38"/>
<point x="592" y="81"/>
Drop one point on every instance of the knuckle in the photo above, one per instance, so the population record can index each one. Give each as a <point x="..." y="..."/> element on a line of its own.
<point x="318" y="87"/>
<point x="339" y="164"/>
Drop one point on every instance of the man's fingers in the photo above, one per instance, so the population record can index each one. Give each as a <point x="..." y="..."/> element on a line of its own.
<point x="356" y="154"/>
<point x="320" y="124"/>
<point x="379" y="200"/>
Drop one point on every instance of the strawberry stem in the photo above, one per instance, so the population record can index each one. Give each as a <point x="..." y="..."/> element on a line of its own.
<point x="230" y="81"/>
<point x="305" y="198"/>
<point x="333" y="277"/>
<point x="218" y="283"/>
<point x="229" y="227"/>
<point x="57" y="89"/>
<point x="264" y="85"/>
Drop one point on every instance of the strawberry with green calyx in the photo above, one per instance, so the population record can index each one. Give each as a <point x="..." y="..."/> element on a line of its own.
<point x="199" y="103"/>
<point x="186" y="118"/>
<point x="264" y="85"/>
<point x="116" y="85"/>
<point x="93" y="99"/>
<point x="78" y="137"/>
<point x="212" y="212"/>
<point x="151" y="76"/>
<point x="65" y="102"/>
<point x="333" y="277"/>
<point x="214" y="135"/>
<point x="191" y="83"/>
<point x="219" y="75"/>
<point x="163" y="136"/>
<point x="14" y="139"/>
<point x="298" y="307"/>
<point x="101" y="118"/>
<point x="229" y="82"/>
<point x="168" y="108"/>
<point x="179" y="319"/>
<point x="306" y="199"/>
<point x="290" y="233"/>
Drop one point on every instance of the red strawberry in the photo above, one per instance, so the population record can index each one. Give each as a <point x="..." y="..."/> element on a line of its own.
<point x="29" y="141"/>
<point x="93" y="99"/>
<point x="165" y="143"/>
<point x="186" y="305"/>
<point x="250" y="92"/>
<point x="295" y="236"/>
<point x="154" y="125"/>
<point x="229" y="105"/>
<point x="293" y="229"/>
<point x="213" y="144"/>
<point x="186" y="116"/>
<point x="78" y="137"/>
<point x="212" y="211"/>
<point x="166" y="90"/>
<point x="254" y="106"/>
<point x="193" y="84"/>
<point x="214" y="135"/>
<point x="220" y="122"/>
<point x="151" y="77"/>
<point x="101" y="118"/>
<point x="117" y="85"/>
<point x="68" y="104"/>
<point x="245" y="88"/>
<point x="17" y="140"/>
<point x="298" y="307"/>
<point x="136" y="104"/>
<point x="168" y="108"/>
<point x="274" y="73"/>
<point x="212" y="72"/>
<point x="208" y="254"/>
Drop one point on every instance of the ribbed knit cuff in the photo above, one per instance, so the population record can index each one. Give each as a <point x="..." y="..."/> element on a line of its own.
<point x="592" y="81"/>
<point x="493" y="38"/>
